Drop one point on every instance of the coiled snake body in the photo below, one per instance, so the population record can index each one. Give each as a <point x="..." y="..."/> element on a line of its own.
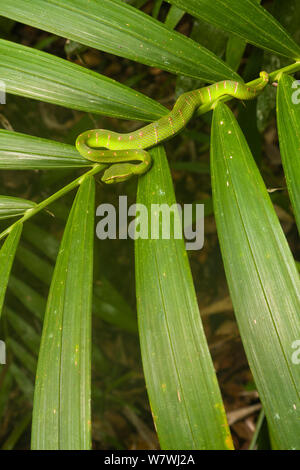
<point x="120" y="150"/>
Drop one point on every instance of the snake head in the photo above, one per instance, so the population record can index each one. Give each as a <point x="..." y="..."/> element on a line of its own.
<point x="118" y="173"/>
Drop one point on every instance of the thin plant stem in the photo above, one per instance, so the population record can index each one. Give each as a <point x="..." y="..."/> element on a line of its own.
<point x="34" y="210"/>
<point x="259" y="424"/>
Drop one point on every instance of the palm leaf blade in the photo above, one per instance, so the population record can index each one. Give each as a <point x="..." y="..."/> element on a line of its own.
<point x="261" y="275"/>
<point x="61" y="415"/>
<point x="117" y="28"/>
<point x="184" y="396"/>
<point x="288" y="117"/>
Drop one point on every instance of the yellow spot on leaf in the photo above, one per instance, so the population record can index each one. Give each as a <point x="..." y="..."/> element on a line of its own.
<point x="228" y="442"/>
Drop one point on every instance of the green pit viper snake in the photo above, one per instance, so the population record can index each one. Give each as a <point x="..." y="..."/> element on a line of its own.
<point x="126" y="148"/>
